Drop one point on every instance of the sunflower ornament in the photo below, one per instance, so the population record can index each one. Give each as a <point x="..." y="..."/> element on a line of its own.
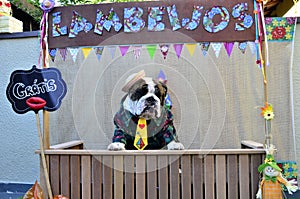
<point x="267" y="111"/>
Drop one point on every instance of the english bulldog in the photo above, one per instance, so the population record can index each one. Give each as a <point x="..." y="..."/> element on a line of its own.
<point x="145" y="98"/>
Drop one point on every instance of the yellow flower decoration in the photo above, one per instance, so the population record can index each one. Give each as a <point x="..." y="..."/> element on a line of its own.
<point x="267" y="111"/>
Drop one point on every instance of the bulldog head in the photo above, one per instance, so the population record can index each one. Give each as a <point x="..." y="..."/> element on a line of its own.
<point x="145" y="96"/>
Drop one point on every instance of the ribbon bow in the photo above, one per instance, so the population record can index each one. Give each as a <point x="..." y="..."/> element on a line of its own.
<point x="269" y="178"/>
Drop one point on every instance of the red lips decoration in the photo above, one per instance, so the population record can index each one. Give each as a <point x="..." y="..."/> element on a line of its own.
<point x="36" y="103"/>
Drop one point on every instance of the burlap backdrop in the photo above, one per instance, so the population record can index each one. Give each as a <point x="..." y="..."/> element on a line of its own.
<point x="216" y="100"/>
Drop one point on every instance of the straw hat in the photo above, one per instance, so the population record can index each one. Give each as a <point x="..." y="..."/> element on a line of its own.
<point x="269" y="161"/>
<point x="132" y="79"/>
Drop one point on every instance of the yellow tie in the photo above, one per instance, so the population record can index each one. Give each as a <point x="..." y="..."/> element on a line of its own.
<point x="141" y="137"/>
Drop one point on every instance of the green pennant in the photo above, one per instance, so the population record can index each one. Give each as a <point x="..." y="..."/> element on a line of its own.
<point x="151" y="50"/>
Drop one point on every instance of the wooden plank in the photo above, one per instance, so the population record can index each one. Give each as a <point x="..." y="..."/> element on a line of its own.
<point x="174" y="177"/>
<point x="221" y="176"/>
<point x="197" y="166"/>
<point x="129" y="176"/>
<point x="163" y="177"/>
<point x="254" y="175"/>
<point x="118" y="177"/>
<point x="186" y="180"/>
<point x="54" y="174"/>
<point x="232" y="176"/>
<point x="97" y="177"/>
<point x="140" y="191"/>
<point x="244" y="177"/>
<point x="251" y="144"/>
<point x="65" y="175"/>
<point x="67" y="145"/>
<point x="86" y="177"/>
<point x="75" y="176"/>
<point x="107" y="177"/>
<point x="155" y="152"/>
<point x="209" y="176"/>
<point x="152" y="176"/>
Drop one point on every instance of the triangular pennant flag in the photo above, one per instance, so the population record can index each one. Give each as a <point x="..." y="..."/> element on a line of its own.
<point x="243" y="46"/>
<point x="112" y="50"/>
<point x="124" y="50"/>
<point x="228" y="46"/>
<point x="164" y="49"/>
<point x="73" y="52"/>
<point x="252" y="47"/>
<point x="98" y="51"/>
<point x="204" y="47"/>
<point x="63" y="53"/>
<point x="52" y="53"/>
<point x="178" y="49"/>
<point x="137" y="51"/>
<point x="191" y="48"/>
<point x="86" y="52"/>
<point x="151" y="50"/>
<point x="217" y="48"/>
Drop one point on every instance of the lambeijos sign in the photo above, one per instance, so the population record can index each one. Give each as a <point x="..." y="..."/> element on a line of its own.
<point x="152" y="22"/>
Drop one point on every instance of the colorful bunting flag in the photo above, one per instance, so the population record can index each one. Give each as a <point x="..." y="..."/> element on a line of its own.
<point x="52" y="53"/>
<point x="124" y="50"/>
<point x="228" y="46"/>
<point x="217" y="48"/>
<point x="151" y="50"/>
<point x="178" y="49"/>
<point x="112" y="50"/>
<point x="252" y="46"/>
<point x="98" y="51"/>
<point x="243" y="46"/>
<point x="204" y="47"/>
<point x="86" y="52"/>
<point x="164" y="49"/>
<point x="191" y="48"/>
<point x="137" y="51"/>
<point x="63" y="53"/>
<point x="73" y="52"/>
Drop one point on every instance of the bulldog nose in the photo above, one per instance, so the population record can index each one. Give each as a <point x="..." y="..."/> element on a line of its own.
<point x="150" y="100"/>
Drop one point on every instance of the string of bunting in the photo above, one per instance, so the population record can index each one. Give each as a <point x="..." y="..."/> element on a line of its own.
<point x="276" y="29"/>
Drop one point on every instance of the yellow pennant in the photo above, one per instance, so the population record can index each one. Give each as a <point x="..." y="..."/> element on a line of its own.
<point x="141" y="136"/>
<point x="86" y="51"/>
<point x="191" y="48"/>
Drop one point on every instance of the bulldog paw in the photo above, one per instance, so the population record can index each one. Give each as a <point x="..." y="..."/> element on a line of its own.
<point x="175" y="146"/>
<point x="116" y="146"/>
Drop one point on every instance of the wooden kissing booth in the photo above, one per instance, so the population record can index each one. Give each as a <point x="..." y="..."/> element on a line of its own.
<point x="80" y="170"/>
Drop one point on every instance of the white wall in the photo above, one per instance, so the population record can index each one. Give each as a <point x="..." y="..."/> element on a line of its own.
<point x="19" y="140"/>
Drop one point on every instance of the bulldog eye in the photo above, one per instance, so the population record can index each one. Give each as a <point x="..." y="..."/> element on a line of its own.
<point x="157" y="92"/>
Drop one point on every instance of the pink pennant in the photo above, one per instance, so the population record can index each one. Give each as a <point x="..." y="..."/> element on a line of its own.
<point x="228" y="46"/>
<point x="178" y="49"/>
<point x="124" y="49"/>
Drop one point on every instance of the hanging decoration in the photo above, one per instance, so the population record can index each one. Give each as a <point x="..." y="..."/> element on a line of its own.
<point x="124" y="50"/>
<point x="63" y="53"/>
<point x="267" y="111"/>
<point x="151" y="50"/>
<point x="191" y="48"/>
<point x="228" y="46"/>
<point x="164" y="49"/>
<point x="280" y="29"/>
<point x="178" y="49"/>
<point x="204" y="47"/>
<point x="217" y="48"/>
<point x="98" y="51"/>
<point x="137" y="51"/>
<point x="242" y="46"/>
<point x="73" y="52"/>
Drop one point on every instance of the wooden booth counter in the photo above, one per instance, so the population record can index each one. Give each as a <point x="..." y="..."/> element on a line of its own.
<point x="91" y="174"/>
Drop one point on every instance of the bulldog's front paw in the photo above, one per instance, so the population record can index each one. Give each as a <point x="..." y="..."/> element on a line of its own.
<point x="175" y="146"/>
<point x="116" y="146"/>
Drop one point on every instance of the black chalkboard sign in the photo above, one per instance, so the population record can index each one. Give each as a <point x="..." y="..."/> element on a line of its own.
<point x="45" y="83"/>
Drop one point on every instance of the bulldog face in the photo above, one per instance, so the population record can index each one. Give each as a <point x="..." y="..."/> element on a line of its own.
<point x="145" y="98"/>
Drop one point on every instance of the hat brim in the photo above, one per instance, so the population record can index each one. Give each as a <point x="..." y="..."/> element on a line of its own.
<point x="132" y="80"/>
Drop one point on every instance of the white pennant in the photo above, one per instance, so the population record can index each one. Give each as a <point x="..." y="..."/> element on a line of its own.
<point x="217" y="48"/>
<point x="73" y="52"/>
<point x="252" y="46"/>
